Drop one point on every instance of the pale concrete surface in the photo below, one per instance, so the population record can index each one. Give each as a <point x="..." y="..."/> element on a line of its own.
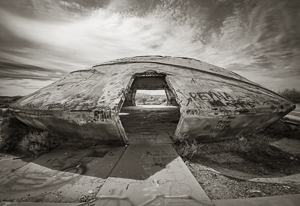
<point x="282" y="200"/>
<point x="10" y="164"/>
<point x="291" y="146"/>
<point x="65" y="174"/>
<point x="151" y="175"/>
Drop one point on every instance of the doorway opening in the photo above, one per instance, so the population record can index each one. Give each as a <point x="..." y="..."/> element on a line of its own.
<point x="150" y="112"/>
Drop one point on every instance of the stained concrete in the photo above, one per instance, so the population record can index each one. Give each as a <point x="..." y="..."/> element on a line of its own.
<point x="146" y="174"/>
<point x="149" y="174"/>
<point x="10" y="164"/>
<point x="65" y="174"/>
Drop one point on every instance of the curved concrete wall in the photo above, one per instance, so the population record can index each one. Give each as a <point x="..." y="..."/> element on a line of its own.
<point x="214" y="103"/>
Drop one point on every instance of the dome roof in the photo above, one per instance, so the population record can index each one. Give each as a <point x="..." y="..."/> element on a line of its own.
<point x="214" y="103"/>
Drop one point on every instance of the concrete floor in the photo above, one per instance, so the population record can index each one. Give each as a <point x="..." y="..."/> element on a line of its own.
<point x="150" y="123"/>
<point x="139" y="174"/>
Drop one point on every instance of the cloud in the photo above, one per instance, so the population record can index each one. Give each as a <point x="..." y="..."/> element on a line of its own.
<point x="257" y="39"/>
<point x="23" y="71"/>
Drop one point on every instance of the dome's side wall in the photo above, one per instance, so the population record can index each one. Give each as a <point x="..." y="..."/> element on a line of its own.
<point x="219" y="108"/>
<point x="214" y="107"/>
<point x="83" y="106"/>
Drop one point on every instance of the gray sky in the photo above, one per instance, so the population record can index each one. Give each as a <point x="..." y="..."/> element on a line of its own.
<point x="43" y="40"/>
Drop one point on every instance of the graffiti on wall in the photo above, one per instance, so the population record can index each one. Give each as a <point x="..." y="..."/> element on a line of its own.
<point x="221" y="126"/>
<point x="241" y="103"/>
<point x="102" y="115"/>
<point x="218" y="99"/>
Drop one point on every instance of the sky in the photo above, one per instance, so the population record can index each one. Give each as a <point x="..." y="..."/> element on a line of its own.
<point x="44" y="40"/>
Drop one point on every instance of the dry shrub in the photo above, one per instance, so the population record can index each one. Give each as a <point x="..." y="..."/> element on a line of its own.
<point x="12" y="132"/>
<point x="187" y="148"/>
<point x="37" y="143"/>
<point x="20" y="139"/>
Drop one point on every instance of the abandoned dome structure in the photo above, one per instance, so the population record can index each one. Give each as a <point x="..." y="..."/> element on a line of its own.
<point x="212" y="103"/>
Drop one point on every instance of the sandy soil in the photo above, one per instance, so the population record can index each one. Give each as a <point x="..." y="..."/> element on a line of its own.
<point x="219" y="186"/>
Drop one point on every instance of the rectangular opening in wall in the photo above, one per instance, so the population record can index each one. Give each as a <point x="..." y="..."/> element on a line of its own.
<point x="150" y="112"/>
<point x="151" y="97"/>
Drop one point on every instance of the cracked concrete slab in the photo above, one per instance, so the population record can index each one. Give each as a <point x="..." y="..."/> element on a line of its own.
<point x="151" y="175"/>
<point x="65" y="174"/>
<point x="10" y="164"/>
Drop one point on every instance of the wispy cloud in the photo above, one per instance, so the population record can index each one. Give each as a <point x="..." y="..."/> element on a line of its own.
<point x="257" y="39"/>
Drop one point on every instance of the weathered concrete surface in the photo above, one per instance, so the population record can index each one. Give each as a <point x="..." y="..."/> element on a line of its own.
<point x="151" y="175"/>
<point x="291" y="146"/>
<point x="152" y="124"/>
<point x="146" y="174"/>
<point x="10" y="164"/>
<point x="214" y="103"/>
<point x="65" y="174"/>
<point x="283" y="200"/>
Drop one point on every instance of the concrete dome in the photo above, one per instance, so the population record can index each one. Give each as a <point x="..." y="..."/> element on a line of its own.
<point x="214" y="103"/>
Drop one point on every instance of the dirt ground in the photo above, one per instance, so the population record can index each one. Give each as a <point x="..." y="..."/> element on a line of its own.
<point x="227" y="172"/>
<point x="218" y="186"/>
